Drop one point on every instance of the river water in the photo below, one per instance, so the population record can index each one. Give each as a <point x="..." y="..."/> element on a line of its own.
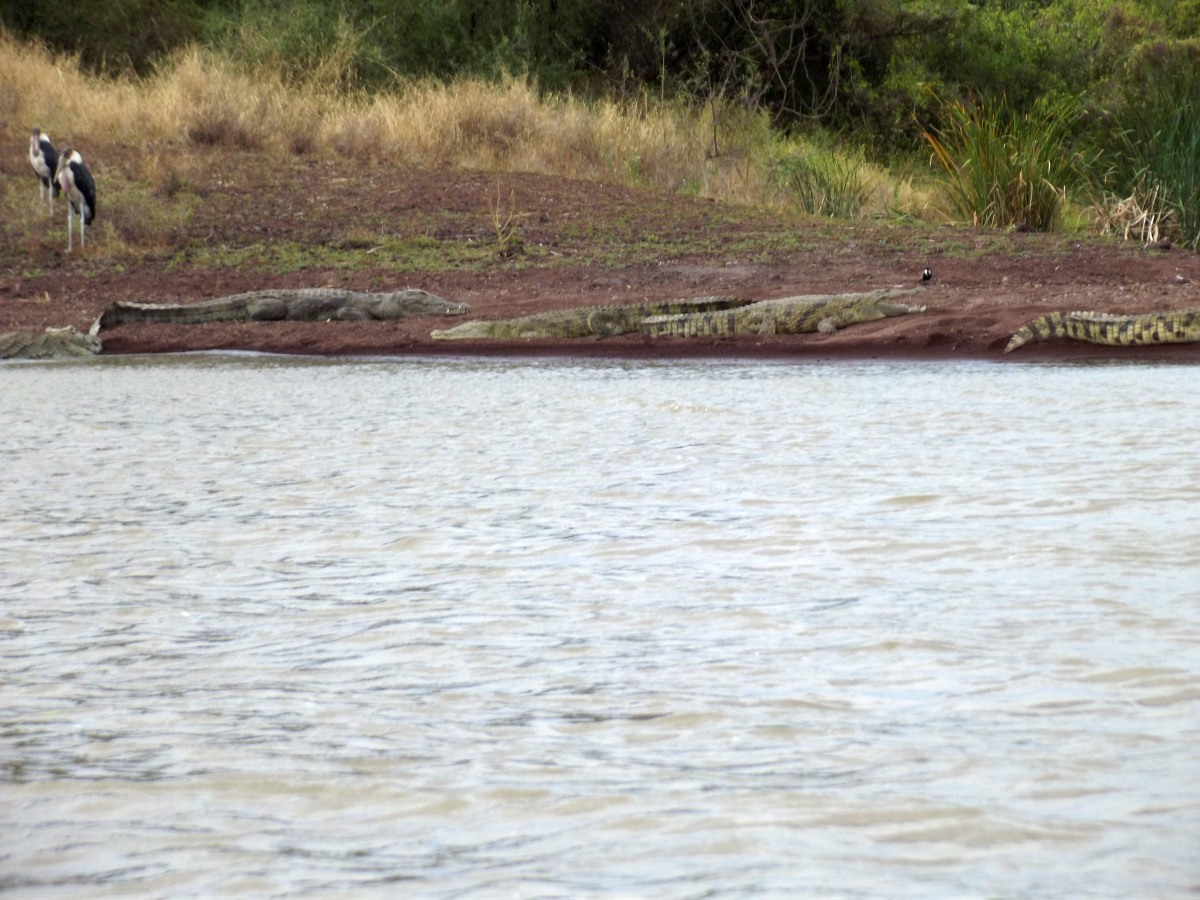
<point x="479" y="628"/>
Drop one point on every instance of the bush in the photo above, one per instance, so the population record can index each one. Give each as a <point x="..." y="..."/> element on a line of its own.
<point x="110" y="37"/>
<point x="1153" y="145"/>
<point x="1003" y="168"/>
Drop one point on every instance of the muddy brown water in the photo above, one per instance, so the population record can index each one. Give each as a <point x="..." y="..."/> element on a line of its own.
<point x="468" y="628"/>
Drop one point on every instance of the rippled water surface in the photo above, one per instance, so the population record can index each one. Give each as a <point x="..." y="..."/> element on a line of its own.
<point x="479" y="628"/>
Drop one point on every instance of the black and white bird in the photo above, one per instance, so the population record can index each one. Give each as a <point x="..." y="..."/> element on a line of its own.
<point x="44" y="159"/>
<point x="76" y="182"/>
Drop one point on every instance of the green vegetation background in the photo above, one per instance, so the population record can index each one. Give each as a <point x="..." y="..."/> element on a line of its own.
<point x="1021" y="101"/>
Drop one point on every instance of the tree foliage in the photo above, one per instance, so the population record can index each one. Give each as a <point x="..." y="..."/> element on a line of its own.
<point x="867" y="66"/>
<point x="110" y="37"/>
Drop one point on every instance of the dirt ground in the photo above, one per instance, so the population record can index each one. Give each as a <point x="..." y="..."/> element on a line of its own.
<point x="582" y="243"/>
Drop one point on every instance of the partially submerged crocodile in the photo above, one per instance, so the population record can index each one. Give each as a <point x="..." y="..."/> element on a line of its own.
<point x="583" y="321"/>
<point x="1173" y="327"/>
<point x="53" y="343"/>
<point x="298" y="304"/>
<point x="825" y="313"/>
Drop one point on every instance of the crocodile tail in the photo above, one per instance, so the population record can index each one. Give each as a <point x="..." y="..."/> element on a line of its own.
<point x="707" y="303"/>
<point x="660" y="326"/>
<point x="1180" y="327"/>
<point x="611" y="320"/>
<point x="719" y="323"/>
<point x="1043" y="328"/>
<point x="118" y="313"/>
<point x="122" y="312"/>
<point x="1112" y="330"/>
<point x="1104" y="328"/>
<point x="475" y="329"/>
<point x="1151" y="328"/>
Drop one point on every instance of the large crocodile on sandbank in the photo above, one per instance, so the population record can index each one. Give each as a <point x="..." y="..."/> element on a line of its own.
<point x="1173" y="327"/>
<point x="53" y="343"/>
<point x="296" y="304"/>
<point x="581" y="321"/>
<point x="824" y="313"/>
<point x="705" y="317"/>
<point x="695" y="317"/>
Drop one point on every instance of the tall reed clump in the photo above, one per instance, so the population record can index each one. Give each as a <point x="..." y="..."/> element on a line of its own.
<point x="1154" y="152"/>
<point x="1003" y="168"/>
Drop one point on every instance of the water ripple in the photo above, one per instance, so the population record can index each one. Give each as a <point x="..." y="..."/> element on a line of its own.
<point x="467" y="628"/>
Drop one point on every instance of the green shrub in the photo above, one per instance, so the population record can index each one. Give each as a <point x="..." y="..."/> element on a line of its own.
<point x="1154" y="142"/>
<point x="313" y="42"/>
<point x="110" y="37"/>
<point x="1005" y="168"/>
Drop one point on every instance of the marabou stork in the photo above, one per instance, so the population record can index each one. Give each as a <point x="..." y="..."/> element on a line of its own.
<point x="44" y="158"/>
<point x="76" y="182"/>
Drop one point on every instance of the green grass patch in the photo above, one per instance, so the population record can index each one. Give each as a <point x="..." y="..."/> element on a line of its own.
<point x="286" y="256"/>
<point x="822" y="182"/>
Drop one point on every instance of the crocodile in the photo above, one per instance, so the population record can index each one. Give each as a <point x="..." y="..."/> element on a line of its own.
<point x="53" y="343"/>
<point x="825" y="313"/>
<point x="297" y="304"/>
<point x="1173" y="327"/>
<point x="582" y="321"/>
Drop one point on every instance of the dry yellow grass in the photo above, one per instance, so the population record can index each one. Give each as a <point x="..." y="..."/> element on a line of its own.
<point x="508" y="125"/>
<point x="199" y="98"/>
